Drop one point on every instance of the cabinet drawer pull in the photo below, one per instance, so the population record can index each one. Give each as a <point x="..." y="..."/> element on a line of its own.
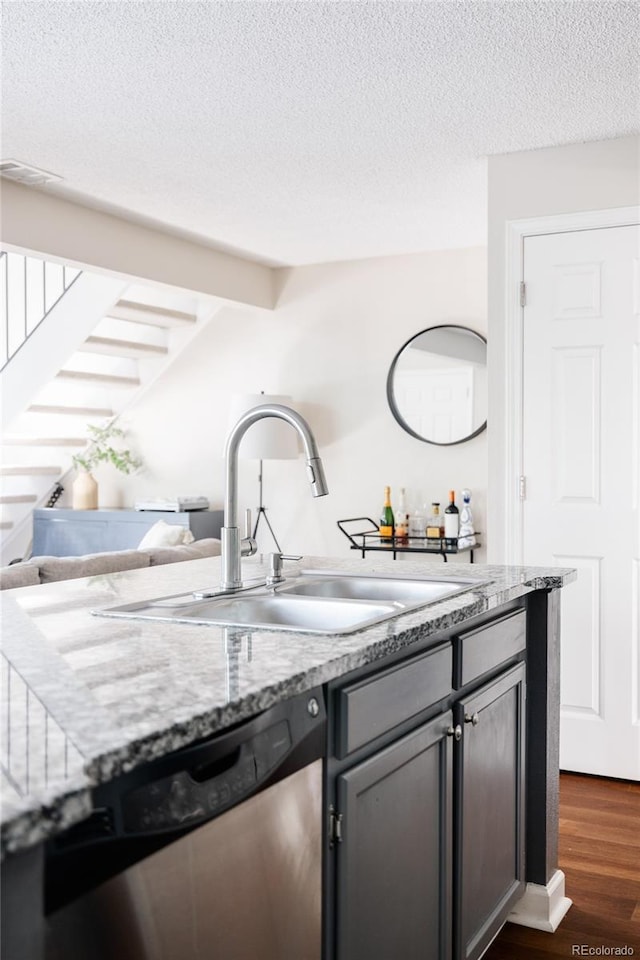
<point x="474" y="719"/>
<point x="455" y="732"/>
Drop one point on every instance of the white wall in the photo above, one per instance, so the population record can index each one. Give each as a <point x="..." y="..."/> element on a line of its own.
<point x="538" y="183"/>
<point x="329" y="344"/>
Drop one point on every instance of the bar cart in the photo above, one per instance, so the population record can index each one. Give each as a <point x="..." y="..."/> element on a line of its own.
<point x="370" y="539"/>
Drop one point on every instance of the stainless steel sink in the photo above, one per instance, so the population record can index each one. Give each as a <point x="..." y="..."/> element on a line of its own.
<point x="404" y="591"/>
<point x="312" y="603"/>
<point x="274" y="612"/>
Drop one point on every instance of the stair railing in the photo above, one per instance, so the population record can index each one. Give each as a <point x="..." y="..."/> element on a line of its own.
<point x="29" y="289"/>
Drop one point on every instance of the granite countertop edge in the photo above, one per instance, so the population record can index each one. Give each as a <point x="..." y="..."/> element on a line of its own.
<point x="29" y="820"/>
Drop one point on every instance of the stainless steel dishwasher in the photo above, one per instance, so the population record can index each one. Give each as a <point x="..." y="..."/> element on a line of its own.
<point x="212" y="853"/>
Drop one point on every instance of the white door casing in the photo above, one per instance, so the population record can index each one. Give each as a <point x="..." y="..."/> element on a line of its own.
<point x="579" y="454"/>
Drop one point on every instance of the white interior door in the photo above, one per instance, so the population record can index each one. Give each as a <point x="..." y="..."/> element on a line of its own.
<point x="580" y="459"/>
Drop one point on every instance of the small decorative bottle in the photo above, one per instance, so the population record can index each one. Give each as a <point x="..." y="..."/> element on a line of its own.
<point x="467" y="533"/>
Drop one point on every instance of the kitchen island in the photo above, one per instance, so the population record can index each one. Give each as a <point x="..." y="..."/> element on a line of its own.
<point x="89" y="699"/>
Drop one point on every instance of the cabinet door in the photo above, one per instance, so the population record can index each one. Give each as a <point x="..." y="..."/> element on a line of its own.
<point x="394" y="862"/>
<point x="489" y="810"/>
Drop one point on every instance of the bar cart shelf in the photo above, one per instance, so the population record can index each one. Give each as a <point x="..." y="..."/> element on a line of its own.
<point x="370" y="540"/>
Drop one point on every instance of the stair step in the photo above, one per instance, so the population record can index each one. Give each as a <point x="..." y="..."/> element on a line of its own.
<point x="73" y="411"/>
<point x="154" y="316"/>
<point x="44" y="441"/>
<point x="26" y="470"/>
<point x="122" y="348"/>
<point x="18" y="498"/>
<point x="107" y="379"/>
<point x="6" y="524"/>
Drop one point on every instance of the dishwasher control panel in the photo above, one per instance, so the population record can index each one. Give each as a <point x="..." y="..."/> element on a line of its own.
<point x="200" y="782"/>
<point x="200" y="793"/>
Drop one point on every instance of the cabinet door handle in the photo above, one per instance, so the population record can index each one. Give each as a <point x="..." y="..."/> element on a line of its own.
<point x="455" y="732"/>
<point x="474" y="719"/>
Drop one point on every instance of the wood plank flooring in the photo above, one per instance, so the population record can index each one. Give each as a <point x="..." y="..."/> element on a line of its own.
<point x="600" y="856"/>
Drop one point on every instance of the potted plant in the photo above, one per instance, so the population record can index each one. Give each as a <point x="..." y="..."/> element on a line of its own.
<point x="100" y="449"/>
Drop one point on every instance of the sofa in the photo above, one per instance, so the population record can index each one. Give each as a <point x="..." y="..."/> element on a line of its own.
<point x="28" y="573"/>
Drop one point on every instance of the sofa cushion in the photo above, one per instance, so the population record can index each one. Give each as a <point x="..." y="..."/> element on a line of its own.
<point x="53" y="569"/>
<point x="19" y="575"/>
<point x="209" y="547"/>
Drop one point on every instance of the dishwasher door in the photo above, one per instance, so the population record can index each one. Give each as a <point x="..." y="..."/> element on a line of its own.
<point x="246" y="885"/>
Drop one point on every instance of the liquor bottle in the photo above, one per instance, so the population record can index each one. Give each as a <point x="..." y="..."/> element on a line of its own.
<point x="451" y="521"/>
<point x="387" y="522"/>
<point x="402" y="518"/>
<point x="434" y="528"/>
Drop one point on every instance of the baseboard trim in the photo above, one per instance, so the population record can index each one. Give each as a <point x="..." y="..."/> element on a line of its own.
<point x="542" y="907"/>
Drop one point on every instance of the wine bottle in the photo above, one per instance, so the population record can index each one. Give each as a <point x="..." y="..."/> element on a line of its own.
<point x="387" y="523"/>
<point x="451" y="521"/>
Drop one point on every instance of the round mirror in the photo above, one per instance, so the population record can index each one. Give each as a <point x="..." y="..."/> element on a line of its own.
<point x="437" y="385"/>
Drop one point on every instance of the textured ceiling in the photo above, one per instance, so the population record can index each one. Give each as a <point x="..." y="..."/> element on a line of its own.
<point x="301" y="132"/>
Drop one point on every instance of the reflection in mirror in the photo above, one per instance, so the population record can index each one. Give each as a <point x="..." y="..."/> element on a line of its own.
<point x="437" y="385"/>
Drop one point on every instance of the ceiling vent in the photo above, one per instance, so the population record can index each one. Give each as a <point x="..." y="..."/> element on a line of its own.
<point x="23" y="173"/>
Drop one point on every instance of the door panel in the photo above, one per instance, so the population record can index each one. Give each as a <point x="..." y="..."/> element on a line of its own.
<point x="580" y="443"/>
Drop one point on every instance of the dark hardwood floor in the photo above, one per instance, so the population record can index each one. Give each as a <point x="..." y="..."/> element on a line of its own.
<point x="600" y="856"/>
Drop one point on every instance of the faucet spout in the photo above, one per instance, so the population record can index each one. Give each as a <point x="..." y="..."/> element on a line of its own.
<point x="233" y="547"/>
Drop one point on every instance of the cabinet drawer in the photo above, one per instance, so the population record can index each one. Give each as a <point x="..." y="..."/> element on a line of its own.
<point x="489" y="646"/>
<point x="371" y="707"/>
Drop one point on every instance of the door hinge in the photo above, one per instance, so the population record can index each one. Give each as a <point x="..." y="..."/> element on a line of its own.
<point x="522" y="482"/>
<point x="335" y="826"/>
<point x="523" y="294"/>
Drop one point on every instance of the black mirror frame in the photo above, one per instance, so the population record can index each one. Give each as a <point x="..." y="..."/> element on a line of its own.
<point x="391" y="399"/>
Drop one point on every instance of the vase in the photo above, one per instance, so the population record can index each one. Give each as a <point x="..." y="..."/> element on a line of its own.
<point x="85" y="492"/>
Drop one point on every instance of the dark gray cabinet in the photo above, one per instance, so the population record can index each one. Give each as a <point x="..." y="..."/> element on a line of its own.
<point x="394" y="871"/>
<point x="73" y="533"/>
<point x="426" y="785"/>
<point x="490" y="830"/>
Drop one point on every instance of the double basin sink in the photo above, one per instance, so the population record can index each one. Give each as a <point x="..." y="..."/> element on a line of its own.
<point x="313" y="602"/>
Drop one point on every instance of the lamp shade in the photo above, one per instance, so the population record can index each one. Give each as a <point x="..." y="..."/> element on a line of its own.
<point x="268" y="439"/>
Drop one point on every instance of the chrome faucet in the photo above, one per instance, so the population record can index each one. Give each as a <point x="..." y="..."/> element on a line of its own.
<point x="234" y="547"/>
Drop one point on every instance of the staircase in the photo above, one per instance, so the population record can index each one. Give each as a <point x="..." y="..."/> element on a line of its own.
<point x="125" y="351"/>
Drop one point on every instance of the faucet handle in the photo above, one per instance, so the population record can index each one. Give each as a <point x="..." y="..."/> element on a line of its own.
<point x="248" y="546"/>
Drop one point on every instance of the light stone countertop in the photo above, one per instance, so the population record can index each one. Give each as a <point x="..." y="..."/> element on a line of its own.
<point x="86" y="698"/>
